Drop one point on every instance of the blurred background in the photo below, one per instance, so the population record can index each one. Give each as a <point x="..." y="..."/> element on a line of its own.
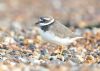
<point x="73" y="12"/>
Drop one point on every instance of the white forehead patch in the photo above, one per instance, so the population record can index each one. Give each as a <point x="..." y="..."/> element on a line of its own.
<point x="43" y="24"/>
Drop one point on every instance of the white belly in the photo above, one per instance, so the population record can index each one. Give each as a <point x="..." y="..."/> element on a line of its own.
<point x="50" y="37"/>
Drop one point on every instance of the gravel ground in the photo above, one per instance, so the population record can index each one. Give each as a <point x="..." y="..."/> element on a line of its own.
<point x="22" y="49"/>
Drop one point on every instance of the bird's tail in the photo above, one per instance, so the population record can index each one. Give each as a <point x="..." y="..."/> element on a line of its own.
<point x="75" y="38"/>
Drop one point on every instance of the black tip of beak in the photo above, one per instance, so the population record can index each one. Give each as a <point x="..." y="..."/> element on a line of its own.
<point x="37" y="23"/>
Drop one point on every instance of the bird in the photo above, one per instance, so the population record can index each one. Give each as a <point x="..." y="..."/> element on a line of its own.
<point x="54" y="32"/>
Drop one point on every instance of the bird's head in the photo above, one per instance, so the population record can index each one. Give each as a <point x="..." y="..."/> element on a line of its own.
<point x="45" y="22"/>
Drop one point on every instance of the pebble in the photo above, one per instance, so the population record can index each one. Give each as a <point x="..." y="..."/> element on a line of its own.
<point x="23" y="49"/>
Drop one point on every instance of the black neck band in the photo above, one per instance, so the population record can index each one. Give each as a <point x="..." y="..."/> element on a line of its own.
<point x="46" y="27"/>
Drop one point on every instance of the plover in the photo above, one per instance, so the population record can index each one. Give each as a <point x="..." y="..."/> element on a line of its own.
<point x="54" y="32"/>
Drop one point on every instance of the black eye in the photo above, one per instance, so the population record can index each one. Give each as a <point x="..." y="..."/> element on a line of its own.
<point x="44" y="21"/>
